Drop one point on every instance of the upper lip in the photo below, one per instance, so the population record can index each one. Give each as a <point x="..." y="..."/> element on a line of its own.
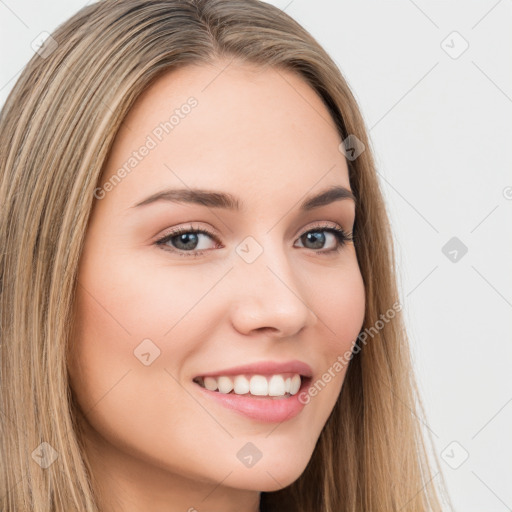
<point x="265" y="368"/>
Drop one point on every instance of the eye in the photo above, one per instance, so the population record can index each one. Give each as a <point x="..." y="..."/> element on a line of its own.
<point x="337" y="238"/>
<point x="186" y="241"/>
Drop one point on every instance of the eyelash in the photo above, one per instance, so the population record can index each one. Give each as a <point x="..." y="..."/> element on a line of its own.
<point x="342" y="237"/>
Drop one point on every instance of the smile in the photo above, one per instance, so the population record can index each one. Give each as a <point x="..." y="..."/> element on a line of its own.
<point x="278" y="385"/>
<point x="251" y="396"/>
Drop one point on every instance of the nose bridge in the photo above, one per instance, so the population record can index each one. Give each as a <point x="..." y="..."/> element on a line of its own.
<point x="269" y="295"/>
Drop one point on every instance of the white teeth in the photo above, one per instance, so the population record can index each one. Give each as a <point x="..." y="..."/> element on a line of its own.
<point x="225" y="384"/>
<point x="276" y="386"/>
<point x="210" y="383"/>
<point x="241" y="385"/>
<point x="295" y="384"/>
<point x="258" y="385"/>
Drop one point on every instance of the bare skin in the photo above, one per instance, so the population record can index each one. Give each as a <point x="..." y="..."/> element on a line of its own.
<point x="154" y="440"/>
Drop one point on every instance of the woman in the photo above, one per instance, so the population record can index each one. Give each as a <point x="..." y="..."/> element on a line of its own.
<point x="198" y="309"/>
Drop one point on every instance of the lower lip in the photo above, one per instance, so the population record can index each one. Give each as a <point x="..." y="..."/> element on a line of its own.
<point x="265" y="409"/>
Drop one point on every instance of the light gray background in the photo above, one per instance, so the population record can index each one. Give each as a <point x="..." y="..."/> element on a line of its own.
<point x="441" y="130"/>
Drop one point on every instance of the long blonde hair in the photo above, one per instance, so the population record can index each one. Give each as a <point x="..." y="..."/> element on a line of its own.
<point x="56" y="130"/>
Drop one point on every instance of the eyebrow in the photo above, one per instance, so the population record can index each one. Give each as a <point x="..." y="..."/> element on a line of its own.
<point x="228" y="201"/>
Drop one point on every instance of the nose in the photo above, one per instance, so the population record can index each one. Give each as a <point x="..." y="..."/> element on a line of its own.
<point x="269" y="298"/>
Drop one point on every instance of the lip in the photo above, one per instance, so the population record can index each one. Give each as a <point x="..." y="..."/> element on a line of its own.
<point x="263" y="409"/>
<point x="265" y="368"/>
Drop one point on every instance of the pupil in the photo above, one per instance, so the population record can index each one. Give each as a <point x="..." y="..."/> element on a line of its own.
<point x="318" y="239"/>
<point x="187" y="237"/>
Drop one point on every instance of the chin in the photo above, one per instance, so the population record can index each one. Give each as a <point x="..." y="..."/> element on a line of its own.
<point x="267" y="478"/>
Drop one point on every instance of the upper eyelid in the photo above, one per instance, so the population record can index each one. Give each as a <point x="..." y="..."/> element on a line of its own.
<point x="189" y="228"/>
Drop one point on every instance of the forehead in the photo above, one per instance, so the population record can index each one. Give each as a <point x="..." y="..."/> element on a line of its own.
<point x="243" y="129"/>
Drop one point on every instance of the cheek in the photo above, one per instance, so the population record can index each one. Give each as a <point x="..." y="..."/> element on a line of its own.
<point x="125" y="311"/>
<point x="124" y="399"/>
<point x="100" y="347"/>
<point x="125" y="298"/>
<point x="340" y="306"/>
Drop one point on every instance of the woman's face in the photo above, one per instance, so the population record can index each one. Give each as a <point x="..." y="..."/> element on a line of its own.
<point x="263" y="283"/>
